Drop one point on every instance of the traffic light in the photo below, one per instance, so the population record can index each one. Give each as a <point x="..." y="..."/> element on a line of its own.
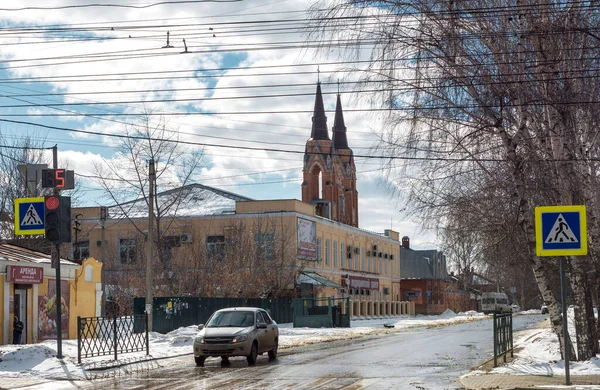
<point x="57" y="218"/>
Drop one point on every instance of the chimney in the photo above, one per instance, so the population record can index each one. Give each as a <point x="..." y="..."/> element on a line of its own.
<point x="406" y="242"/>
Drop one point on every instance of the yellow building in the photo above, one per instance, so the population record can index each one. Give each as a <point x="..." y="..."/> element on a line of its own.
<point x="29" y="292"/>
<point x="280" y="241"/>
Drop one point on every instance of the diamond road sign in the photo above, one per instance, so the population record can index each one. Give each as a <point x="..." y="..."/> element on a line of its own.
<point x="29" y="216"/>
<point x="560" y="231"/>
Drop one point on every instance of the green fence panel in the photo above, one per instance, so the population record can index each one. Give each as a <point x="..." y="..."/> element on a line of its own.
<point x="170" y="313"/>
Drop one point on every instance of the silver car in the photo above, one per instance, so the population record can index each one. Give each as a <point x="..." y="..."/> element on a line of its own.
<point x="237" y="331"/>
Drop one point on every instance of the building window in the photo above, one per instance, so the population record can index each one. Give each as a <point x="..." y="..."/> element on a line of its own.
<point x="385" y="262"/>
<point x="357" y="262"/>
<point x="319" y="250"/>
<point x="167" y="243"/>
<point x="380" y="266"/>
<point x="265" y="246"/>
<point x="343" y="255"/>
<point x="369" y="264"/>
<point x="327" y="252"/>
<point x="127" y="250"/>
<point x="335" y="257"/>
<point x="374" y="265"/>
<point x="215" y="247"/>
<point x="362" y="256"/>
<point x="83" y="250"/>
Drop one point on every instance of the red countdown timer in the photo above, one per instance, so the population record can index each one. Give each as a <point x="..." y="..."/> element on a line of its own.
<point x="58" y="178"/>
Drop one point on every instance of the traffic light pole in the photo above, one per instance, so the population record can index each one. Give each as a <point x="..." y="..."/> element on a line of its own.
<point x="58" y="300"/>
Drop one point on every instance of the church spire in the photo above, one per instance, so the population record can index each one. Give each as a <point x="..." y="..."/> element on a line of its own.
<point x="319" y="120"/>
<point x="339" y="128"/>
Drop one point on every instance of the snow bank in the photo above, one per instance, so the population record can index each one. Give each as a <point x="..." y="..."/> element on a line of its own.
<point x="540" y="355"/>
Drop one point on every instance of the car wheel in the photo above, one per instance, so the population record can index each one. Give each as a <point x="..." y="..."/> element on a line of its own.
<point x="251" y="358"/>
<point x="273" y="352"/>
<point x="199" y="360"/>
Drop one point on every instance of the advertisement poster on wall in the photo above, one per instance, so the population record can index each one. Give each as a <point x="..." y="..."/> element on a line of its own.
<point x="47" y="311"/>
<point x="307" y="240"/>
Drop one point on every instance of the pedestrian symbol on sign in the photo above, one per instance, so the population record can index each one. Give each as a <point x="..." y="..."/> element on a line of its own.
<point x="31" y="217"/>
<point x="561" y="232"/>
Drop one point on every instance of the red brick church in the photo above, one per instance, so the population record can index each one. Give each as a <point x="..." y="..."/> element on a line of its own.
<point x="329" y="170"/>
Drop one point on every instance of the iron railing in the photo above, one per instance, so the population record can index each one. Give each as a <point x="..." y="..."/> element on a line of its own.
<point x="98" y="336"/>
<point x="503" y="336"/>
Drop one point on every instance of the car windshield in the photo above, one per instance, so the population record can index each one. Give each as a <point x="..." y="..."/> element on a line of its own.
<point x="231" y="319"/>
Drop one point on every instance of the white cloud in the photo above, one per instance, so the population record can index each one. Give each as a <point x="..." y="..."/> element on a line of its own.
<point x="196" y="23"/>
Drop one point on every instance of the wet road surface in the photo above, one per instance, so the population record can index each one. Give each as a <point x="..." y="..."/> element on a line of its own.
<point x="424" y="358"/>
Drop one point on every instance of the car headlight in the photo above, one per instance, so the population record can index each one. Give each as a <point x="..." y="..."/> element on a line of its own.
<point x="240" y="339"/>
<point x="199" y="340"/>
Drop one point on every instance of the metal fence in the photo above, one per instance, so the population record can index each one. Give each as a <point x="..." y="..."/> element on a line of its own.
<point x="98" y="336"/>
<point x="322" y="312"/>
<point x="503" y="336"/>
<point x="170" y="313"/>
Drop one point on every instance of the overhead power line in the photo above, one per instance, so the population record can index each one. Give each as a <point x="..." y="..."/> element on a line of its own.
<point x="191" y="143"/>
<point x="107" y="5"/>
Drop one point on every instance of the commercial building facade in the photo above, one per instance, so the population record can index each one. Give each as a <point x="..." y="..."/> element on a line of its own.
<point x="29" y="292"/>
<point x="308" y="255"/>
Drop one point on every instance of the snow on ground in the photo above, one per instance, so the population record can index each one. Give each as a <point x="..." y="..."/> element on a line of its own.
<point x="539" y="355"/>
<point x="38" y="360"/>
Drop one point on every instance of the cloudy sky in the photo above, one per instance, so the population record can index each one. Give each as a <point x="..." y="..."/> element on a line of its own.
<point x="75" y="72"/>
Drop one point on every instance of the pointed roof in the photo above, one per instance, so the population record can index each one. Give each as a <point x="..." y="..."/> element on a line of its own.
<point x="319" y="120"/>
<point x="339" y="128"/>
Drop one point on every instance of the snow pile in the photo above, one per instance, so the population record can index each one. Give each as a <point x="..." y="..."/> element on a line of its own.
<point x="540" y="355"/>
<point x="448" y="313"/>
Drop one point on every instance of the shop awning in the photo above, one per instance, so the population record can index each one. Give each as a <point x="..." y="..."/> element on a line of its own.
<point x="314" y="278"/>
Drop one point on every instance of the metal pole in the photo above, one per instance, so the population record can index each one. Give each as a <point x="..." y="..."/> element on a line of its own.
<point x="115" y="338"/>
<point x="495" y="342"/>
<point x="78" y="339"/>
<point x="150" y="245"/>
<point x="563" y="294"/>
<point x="58" y="305"/>
<point x="511" y="337"/>
<point x="58" y="301"/>
<point x="147" y="338"/>
<point x="103" y="215"/>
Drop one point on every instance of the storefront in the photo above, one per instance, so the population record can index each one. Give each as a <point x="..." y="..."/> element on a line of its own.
<point x="29" y="292"/>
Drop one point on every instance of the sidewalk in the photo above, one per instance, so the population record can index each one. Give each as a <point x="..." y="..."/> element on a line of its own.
<point x="503" y="381"/>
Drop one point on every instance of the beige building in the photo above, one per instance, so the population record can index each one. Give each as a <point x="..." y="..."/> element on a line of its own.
<point x="316" y="256"/>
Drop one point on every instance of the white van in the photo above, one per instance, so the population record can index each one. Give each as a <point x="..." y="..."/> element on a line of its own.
<point x="495" y="302"/>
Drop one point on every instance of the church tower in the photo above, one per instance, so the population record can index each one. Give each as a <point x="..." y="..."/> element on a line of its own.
<point x="329" y="171"/>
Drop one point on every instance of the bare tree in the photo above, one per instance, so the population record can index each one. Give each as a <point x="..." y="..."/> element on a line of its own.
<point x="503" y="92"/>
<point x="24" y="150"/>
<point x="124" y="177"/>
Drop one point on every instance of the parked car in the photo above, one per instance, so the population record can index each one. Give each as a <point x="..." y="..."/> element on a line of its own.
<point x="515" y="308"/>
<point x="237" y="331"/>
<point x="544" y="309"/>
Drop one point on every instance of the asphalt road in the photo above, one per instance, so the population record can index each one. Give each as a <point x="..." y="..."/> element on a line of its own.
<point x="425" y="358"/>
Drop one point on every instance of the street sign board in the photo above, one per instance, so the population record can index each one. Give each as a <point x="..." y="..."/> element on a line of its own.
<point x="29" y="216"/>
<point x="560" y="231"/>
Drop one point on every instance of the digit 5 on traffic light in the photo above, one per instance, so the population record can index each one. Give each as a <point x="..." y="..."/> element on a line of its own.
<point x="57" y="218"/>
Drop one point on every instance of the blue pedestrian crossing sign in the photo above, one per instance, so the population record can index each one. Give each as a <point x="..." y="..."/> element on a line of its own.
<point x="29" y="216"/>
<point x="560" y="231"/>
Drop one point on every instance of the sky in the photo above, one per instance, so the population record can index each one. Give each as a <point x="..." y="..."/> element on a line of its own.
<point x="75" y="75"/>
